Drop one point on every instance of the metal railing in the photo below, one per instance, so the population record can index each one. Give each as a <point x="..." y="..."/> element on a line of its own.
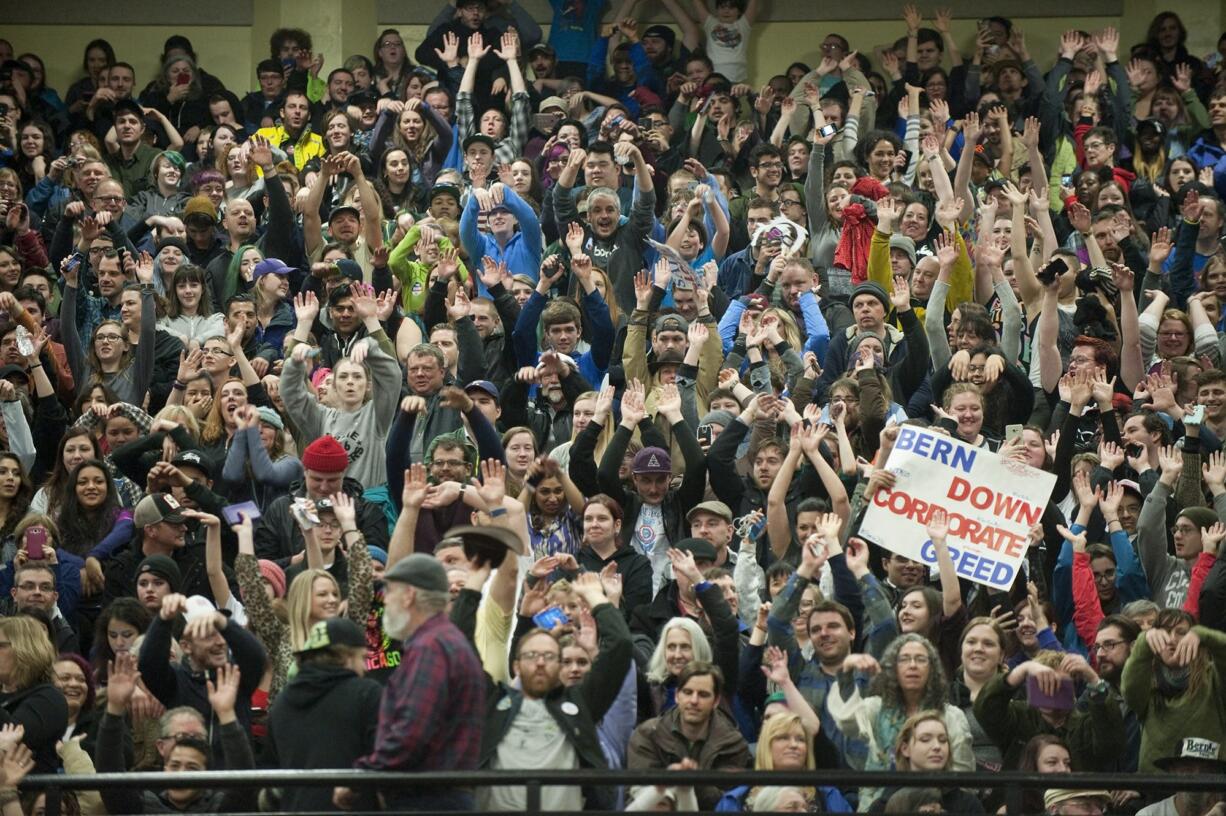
<point x="1012" y="784"/>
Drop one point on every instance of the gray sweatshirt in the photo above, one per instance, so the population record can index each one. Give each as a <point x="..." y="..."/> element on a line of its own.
<point x="363" y="432"/>
<point x="1168" y="575"/>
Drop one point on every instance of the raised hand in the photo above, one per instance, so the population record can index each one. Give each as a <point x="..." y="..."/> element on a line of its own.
<point x="477" y="49"/>
<point x="493" y="485"/>
<point x="306" y="307"/>
<point x="415" y="486"/>
<point x="510" y="47"/>
<point x="223" y="694"/>
<point x="1078" y="540"/>
<point x="450" y="52"/>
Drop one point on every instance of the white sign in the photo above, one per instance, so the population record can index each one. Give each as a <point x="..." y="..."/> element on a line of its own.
<point x="991" y="503"/>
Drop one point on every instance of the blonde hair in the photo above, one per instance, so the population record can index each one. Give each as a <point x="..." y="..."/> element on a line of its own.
<point x="181" y="415"/>
<point x="606" y="431"/>
<point x="298" y="604"/>
<point x="780" y="725"/>
<point x="33" y="654"/>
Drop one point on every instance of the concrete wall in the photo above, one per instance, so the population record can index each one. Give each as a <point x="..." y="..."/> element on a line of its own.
<point x="344" y="27"/>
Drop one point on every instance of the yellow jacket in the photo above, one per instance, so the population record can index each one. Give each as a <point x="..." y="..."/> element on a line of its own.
<point x="961" y="277"/>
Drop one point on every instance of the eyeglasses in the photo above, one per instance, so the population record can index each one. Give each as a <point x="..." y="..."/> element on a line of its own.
<point x="449" y="463"/>
<point x="111" y="199"/>
<point x="29" y="586"/>
<point x="918" y="660"/>
<point x="1104" y="577"/>
<point x="1186" y="530"/>
<point x="218" y="352"/>
<point x="772" y="165"/>
<point x="789" y="202"/>
<point x="844" y="400"/>
<point x="111" y="338"/>
<point x="1176" y="334"/>
<point x="1080" y="360"/>
<point x="1106" y="645"/>
<point x="182" y="735"/>
<point x="539" y="657"/>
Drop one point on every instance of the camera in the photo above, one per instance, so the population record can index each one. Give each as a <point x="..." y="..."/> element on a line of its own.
<point x="1048" y="274"/>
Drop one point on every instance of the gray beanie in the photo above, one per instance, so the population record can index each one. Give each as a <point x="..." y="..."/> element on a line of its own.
<point x="720" y="418"/>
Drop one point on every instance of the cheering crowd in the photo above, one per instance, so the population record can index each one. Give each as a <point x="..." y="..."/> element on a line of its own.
<point x="516" y="405"/>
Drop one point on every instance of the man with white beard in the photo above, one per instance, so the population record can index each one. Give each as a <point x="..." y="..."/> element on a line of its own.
<point x="433" y="708"/>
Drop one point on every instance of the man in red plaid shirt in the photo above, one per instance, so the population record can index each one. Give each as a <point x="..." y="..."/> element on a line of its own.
<point x="434" y="705"/>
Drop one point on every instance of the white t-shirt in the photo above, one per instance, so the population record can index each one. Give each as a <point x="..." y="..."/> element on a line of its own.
<point x="533" y="742"/>
<point x="651" y="540"/>
<point x="728" y="47"/>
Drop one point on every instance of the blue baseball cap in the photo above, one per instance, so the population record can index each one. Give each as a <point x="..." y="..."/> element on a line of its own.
<point x="271" y="266"/>
<point x="483" y="385"/>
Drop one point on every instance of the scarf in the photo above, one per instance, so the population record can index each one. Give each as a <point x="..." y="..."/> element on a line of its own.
<point x="852" y="252"/>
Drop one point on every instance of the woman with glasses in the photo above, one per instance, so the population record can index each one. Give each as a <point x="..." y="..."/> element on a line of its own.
<point x="109" y="359"/>
<point x="74" y="678"/>
<point x="1169" y="333"/>
<point x="909" y="679"/>
<point x="392" y="64"/>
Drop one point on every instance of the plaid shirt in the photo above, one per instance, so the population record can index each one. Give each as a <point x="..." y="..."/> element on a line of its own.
<point x="509" y="147"/>
<point x="433" y="708"/>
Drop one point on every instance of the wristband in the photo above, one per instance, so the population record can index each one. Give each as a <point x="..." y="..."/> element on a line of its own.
<point x="36" y="365"/>
<point x="701" y="585"/>
<point x="498" y="511"/>
<point x="178" y="386"/>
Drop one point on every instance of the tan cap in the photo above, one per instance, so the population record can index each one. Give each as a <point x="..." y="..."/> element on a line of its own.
<point x="715" y="508"/>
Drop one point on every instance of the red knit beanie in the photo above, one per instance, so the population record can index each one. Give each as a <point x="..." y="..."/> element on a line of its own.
<point x="325" y="455"/>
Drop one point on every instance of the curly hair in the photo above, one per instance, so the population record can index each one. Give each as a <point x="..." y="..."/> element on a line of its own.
<point x="886" y="686"/>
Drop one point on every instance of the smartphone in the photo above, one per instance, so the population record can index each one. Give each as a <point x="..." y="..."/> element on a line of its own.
<point x="1012" y="432"/>
<point x="704" y="435"/>
<point x="1066" y="180"/>
<point x="1134" y="450"/>
<point x="551" y="618"/>
<point x="36" y="539"/>
<point x="1062" y="700"/>
<point x="827" y="130"/>
<point x="288" y="63"/>
<point x="615" y="122"/>
<point x="74" y="261"/>
<point x="248" y="508"/>
<point x="183" y="79"/>
<point x="706" y="106"/>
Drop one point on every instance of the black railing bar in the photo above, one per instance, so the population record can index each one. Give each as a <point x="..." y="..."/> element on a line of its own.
<point x="611" y="778"/>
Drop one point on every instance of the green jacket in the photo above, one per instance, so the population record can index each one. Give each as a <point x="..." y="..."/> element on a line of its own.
<point x="1094" y="737"/>
<point x="414" y="276"/>
<point x="1165" y="721"/>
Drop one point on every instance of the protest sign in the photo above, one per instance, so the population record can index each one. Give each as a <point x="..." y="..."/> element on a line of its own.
<point x="991" y="503"/>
